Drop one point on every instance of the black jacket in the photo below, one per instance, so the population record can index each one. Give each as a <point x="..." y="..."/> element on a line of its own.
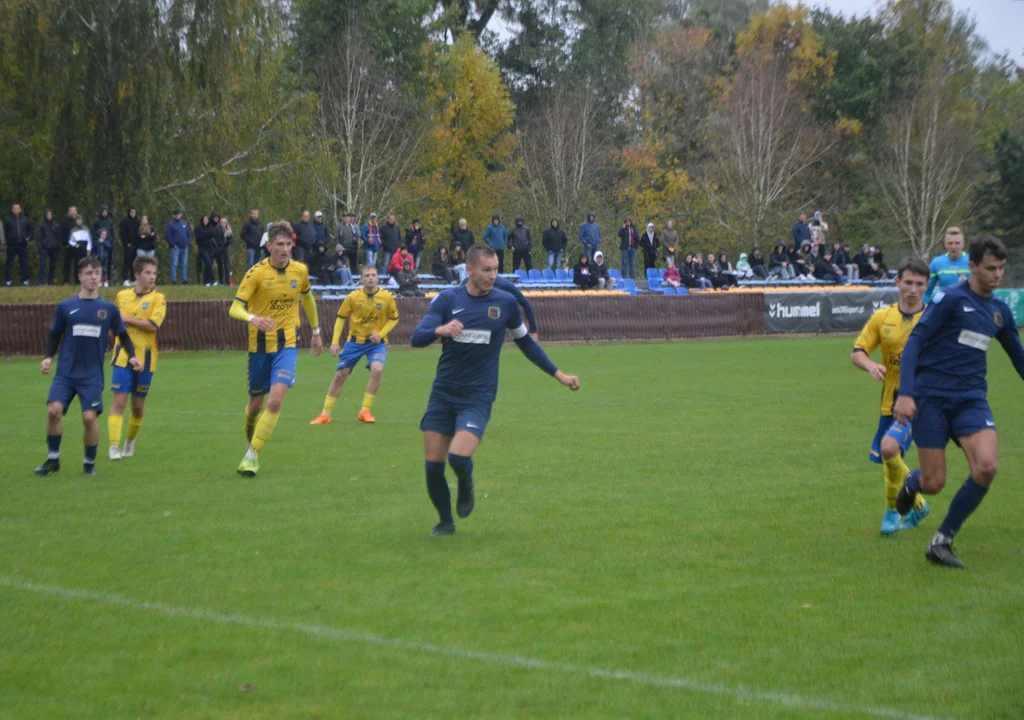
<point x="650" y="245"/>
<point x="582" y="280"/>
<point x="146" y="242"/>
<point x="823" y="268"/>
<point x="624" y="237"/>
<point x="305" y="235"/>
<point x="99" y="224"/>
<point x="320" y="264"/>
<point x="49" y="235"/>
<point x="17" y="231"/>
<point x="439" y="265"/>
<point x="206" y="238"/>
<point x="252" y="233"/>
<point x="463" y="237"/>
<point x="755" y="262"/>
<point x="519" y="238"/>
<point x="778" y="257"/>
<point x="67" y="226"/>
<point x="555" y="239"/>
<point x="391" y="237"/>
<point x="129" y="229"/>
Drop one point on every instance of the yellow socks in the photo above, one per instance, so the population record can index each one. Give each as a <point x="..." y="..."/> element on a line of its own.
<point x="114" y="429"/>
<point x="329" y="405"/>
<point x="134" y="424"/>
<point x="250" y="424"/>
<point x="264" y="429"/>
<point x="896" y="472"/>
<point x="368" y="400"/>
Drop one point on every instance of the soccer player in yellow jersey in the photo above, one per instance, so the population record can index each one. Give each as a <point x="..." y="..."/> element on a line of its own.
<point x="143" y="310"/>
<point x="889" y="329"/>
<point x="268" y="300"/>
<point x="371" y="314"/>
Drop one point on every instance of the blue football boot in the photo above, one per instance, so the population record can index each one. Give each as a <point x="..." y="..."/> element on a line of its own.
<point x="890" y="522"/>
<point x="913" y="518"/>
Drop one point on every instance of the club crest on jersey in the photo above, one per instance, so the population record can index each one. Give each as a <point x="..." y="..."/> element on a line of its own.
<point x="380" y="306"/>
<point x="145" y="306"/>
<point x="998" y="317"/>
<point x="295" y="283"/>
<point x="101" y="314"/>
<point x="494" y="312"/>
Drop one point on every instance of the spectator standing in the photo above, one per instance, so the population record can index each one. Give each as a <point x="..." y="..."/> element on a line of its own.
<point x="628" y="243"/>
<point x="129" y="230"/>
<point x="600" y="271"/>
<point x="206" y="243"/>
<point x="145" y="242"/>
<point x="801" y="231"/>
<point x="252" y="234"/>
<point x="218" y="243"/>
<point x="415" y="241"/>
<point x="496" y="238"/>
<point x="80" y="241"/>
<point x="66" y="227"/>
<point x="555" y="242"/>
<point x="757" y="264"/>
<point x="305" y="238"/>
<point x="48" y="237"/>
<point x="441" y="267"/>
<point x="227" y="236"/>
<point x="322" y="236"/>
<point x="670" y="241"/>
<point x="17" y="235"/>
<point x="458" y="261"/>
<point x="408" y="283"/>
<point x="819" y="228"/>
<point x="521" y="242"/>
<point x="179" y="237"/>
<point x="372" y="244"/>
<point x="462" y="235"/>
<point x="347" y="239"/>
<point x="650" y="242"/>
<point x="103" y="248"/>
<point x="391" y="239"/>
<point x="672" y="277"/>
<point x="581" y="275"/>
<point x="590" y="235"/>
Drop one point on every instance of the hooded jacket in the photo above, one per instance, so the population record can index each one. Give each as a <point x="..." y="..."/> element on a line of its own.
<point x="590" y="232"/>
<point x="583" y="276"/>
<point x="650" y="242"/>
<point x="129" y="229"/>
<point x="519" y="238"/>
<point x="102" y="223"/>
<point x="397" y="259"/>
<point x="440" y="265"/>
<point x="252" y="233"/>
<point x="779" y="255"/>
<point x="414" y="240"/>
<point x="390" y="237"/>
<point x="496" y="236"/>
<point x="49" y="234"/>
<point x="555" y="239"/>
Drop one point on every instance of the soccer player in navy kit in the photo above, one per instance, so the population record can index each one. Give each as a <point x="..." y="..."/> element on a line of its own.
<point x="471" y="321"/>
<point x="83" y="322"/>
<point x="508" y="286"/>
<point x="943" y="390"/>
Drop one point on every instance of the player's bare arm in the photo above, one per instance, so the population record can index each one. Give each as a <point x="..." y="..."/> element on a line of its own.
<point x="862" y="361"/>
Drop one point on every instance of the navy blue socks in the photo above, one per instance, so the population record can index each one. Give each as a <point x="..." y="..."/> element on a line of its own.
<point x="437" y="489"/>
<point x="463" y="467"/>
<point x="53" y="446"/>
<point x="965" y="502"/>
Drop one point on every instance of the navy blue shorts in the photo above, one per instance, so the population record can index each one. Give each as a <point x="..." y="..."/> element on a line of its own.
<point x="447" y="418"/>
<point x="89" y="392"/>
<point x="887" y="425"/>
<point x="939" y="420"/>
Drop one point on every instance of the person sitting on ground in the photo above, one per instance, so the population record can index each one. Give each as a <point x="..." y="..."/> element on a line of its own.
<point x="581" y="275"/>
<point x="779" y="265"/>
<point x="340" y="270"/>
<point x="441" y="267"/>
<point x="600" y="271"/>
<point x="672" y="277"/>
<point x="398" y="261"/>
<point x="408" y="283"/>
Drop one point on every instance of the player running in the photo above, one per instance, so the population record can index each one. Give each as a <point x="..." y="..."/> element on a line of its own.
<point x="506" y="285"/>
<point x="471" y="321"/>
<point x="943" y="389"/>
<point x="267" y="300"/>
<point x="889" y="328"/>
<point x="83" y="322"/>
<point x="950" y="269"/>
<point x="372" y="314"/>
<point x="142" y="310"/>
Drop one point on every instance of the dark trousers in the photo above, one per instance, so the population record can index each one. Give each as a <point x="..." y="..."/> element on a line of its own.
<point x="126" y="261"/>
<point x="47" y="257"/>
<point x="223" y="260"/>
<point x="206" y="264"/>
<point x="650" y="262"/>
<point x="501" y="260"/>
<point x="69" y="260"/>
<point x="353" y="261"/>
<point x="299" y="253"/>
<point x="522" y="256"/>
<point x="21" y="253"/>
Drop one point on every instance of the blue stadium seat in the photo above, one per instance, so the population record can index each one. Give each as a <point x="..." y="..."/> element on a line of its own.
<point x="547" y="275"/>
<point x="561" y="275"/>
<point x="628" y="284"/>
<point x="535" y="275"/>
<point x="668" y="291"/>
<point x="615" y="274"/>
<point x="661" y="272"/>
<point x="652" y="274"/>
<point x="682" y="291"/>
<point x="523" y="277"/>
<point x="653" y="283"/>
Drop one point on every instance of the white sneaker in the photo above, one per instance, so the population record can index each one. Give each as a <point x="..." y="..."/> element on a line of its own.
<point x="114" y="453"/>
<point x="129" y="449"/>
<point x="216" y="284"/>
<point x="127" y="283"/>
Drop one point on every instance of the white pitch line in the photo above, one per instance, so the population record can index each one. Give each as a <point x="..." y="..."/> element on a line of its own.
<point x="326" y="632"/>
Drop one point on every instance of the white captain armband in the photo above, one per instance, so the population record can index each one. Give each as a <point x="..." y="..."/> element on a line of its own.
<point x="519" y="332"/>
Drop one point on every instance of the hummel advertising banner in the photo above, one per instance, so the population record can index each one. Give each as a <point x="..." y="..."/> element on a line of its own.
<point x="822" y="312"/>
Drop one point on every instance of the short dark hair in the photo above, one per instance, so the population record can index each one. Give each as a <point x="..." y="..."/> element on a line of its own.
<point x="281" y="228"/>
<point x="983" y="245"/>
<point x="478" y="252"/>
<point x="141" y="262"/>
<point x="913" y="265"/>
<point x="89" y="261"/>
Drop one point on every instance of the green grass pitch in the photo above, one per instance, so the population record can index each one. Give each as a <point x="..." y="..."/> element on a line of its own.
<point x="693" y="534"/>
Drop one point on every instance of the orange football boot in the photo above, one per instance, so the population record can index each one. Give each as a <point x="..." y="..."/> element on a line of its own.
<point x="366" y="417"/>
<point x="321" y="419"/>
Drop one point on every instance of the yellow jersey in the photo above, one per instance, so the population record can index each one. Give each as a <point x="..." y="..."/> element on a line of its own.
<point x="368" y="314"/>
<point x="151" y="306"/>
<point x="268" y="292"/>
<point x="888" y="328"/>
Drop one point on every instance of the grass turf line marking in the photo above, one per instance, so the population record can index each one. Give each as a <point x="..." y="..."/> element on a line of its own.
<point x="326" y="632"/>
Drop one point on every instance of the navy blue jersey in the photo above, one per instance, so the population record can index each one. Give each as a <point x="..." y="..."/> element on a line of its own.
<point x="506" y="285"/>
<point x="84" y="325"/>
<point x="946" y="354"/>
<point x="468" y="368"/>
